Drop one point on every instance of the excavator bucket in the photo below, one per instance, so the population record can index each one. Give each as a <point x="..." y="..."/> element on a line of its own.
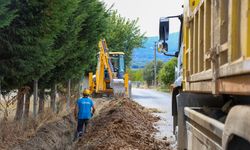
<point x="118" y="87"/>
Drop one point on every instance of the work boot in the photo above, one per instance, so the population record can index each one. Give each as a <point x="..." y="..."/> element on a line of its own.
<point x="80" y="134"/>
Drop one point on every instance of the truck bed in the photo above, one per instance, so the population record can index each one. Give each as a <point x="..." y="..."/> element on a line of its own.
<point x="217" y="47"/>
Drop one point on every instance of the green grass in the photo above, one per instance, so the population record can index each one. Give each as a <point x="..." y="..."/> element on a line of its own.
<point x="163" y="89"/>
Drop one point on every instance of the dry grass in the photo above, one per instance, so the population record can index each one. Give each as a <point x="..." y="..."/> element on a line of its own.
<point x="13" y="133"/>
<point x="152" y="110"/>
<point x="7" y="105"/>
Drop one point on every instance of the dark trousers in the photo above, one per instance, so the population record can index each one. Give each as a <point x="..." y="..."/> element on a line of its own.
<point x="81" y="123"/>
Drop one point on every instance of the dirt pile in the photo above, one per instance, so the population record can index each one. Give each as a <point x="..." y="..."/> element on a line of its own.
<point x="122" y="124"/>
<point x="100" y="103"/>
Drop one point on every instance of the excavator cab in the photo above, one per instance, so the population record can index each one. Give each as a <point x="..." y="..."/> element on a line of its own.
<point x="118" y="64"/>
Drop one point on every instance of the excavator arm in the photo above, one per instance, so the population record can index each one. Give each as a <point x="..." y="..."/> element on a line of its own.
<point x="104" y="57"/>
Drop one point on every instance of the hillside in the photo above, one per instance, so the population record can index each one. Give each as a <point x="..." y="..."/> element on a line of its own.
<point x="142" y="56"/>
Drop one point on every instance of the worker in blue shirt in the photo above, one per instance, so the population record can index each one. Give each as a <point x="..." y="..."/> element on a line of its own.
<point x="84" y="110"/>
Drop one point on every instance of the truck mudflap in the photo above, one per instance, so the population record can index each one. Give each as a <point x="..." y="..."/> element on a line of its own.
<point x="203" y="132"/>
<point x="236" y="133"/>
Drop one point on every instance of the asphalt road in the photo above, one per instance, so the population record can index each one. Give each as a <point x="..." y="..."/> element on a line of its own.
<point x="162" y="101"/>
<point x="153" y="99"/>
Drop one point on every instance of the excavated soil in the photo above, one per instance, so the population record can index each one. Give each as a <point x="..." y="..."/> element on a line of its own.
<point x="122" y="124"/>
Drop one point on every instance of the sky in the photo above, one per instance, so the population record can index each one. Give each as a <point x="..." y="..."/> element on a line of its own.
<point x="149" y="13"/>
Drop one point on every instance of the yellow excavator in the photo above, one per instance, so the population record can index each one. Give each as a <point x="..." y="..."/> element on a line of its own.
<point x="110" y="77"/>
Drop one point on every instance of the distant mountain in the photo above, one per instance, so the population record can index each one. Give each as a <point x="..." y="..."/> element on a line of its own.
<point x="142" y="56"/>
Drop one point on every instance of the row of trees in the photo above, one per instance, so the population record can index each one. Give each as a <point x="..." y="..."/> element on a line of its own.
<point x="148" y="72"/>
<point x="53" y="42"/>
<point x="136" y="75"/>
<point x="165" y="73"/>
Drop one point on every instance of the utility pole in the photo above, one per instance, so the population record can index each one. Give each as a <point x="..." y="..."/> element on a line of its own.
<point x="155" y="64"/>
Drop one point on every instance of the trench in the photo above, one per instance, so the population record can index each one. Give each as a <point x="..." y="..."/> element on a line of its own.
<point x="119" y="124"/>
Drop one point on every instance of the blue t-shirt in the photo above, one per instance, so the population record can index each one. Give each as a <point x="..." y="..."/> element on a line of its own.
<point x="84" y="108"/>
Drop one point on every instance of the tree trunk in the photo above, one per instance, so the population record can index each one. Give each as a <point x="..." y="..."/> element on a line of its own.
<point x="68" y="96"/>
<point x="27" y="105"/>
<point x="20" y="103"/>
<point x="35" y="89"/>
<point x="53" y="98"/>
<point x="0" y="90"/>
<point x="41" y="101"/>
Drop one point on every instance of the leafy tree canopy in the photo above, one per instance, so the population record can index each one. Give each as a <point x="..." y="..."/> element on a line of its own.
<point x="123" y="35"/>
<point x="79" y="43"/>
<point x="148" y="71"/>
<point x="136" y="75"/>
<point x="167" y="73"/>
<point x="7" y="13"/>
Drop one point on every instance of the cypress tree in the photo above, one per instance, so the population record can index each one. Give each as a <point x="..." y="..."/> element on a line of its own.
<point x="79" y="43"/>
<point x="7" y="13"/>
<point x="26" y="51"/>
